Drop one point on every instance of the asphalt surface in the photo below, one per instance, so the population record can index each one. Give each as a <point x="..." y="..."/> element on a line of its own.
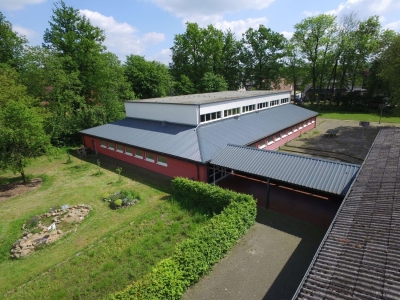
<point x="267" y="263"/>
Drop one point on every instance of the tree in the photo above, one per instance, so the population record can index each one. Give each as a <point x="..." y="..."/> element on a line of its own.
<point x="213" y="83"/>
<point x="390" y="66"/>
<point x="230" y="61"/>
<point x="261" y="56"/>
<point x="22" y="137"/>
<point x="183" y="86"/>
<point x="77" y="42"/>
<point x="148" y="79"/>
<point x="11" y="44"/>
<point x="313" y="37"/>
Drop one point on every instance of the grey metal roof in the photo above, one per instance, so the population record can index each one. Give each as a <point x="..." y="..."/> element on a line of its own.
<point x="204" y="142"/>
<point x="248" y="128"/>
<point x="195" y="99"/>
<point x="173" y="139"/>
<point x="319" y="174"/>
<point x="359" y="258"/>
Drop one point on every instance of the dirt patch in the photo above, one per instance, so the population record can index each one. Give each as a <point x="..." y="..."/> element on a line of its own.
<point x="350" y="145"/>
<point x="10" y="190"/>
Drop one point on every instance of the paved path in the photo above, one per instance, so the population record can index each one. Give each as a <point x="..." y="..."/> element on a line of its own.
<point x="267" y="263"/>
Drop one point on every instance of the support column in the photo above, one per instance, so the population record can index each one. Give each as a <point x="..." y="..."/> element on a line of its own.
<point x="267" y="200"/>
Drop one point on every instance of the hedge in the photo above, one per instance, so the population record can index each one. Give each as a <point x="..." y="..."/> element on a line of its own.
<point x="195" y="256"/>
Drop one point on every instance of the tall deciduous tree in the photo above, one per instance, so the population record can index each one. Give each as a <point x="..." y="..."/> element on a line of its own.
<point x="148" y="79"/>
<point x="261" y="56"/>
<point x="390" y="66"/>
<point x="22" y="137"/>
<point x="11" y="44"/>
<point x="213" y="83"/>
<point x="313" y="36"/>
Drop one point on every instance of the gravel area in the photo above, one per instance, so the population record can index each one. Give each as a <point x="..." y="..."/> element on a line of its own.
<point x="267" y="263"/>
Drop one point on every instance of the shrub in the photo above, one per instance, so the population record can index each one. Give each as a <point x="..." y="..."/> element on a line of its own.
<point x="32" y="222"/>
<point x="195" y="256"/>
<point x="121" y="199"/>
<point x="118" y="202"/>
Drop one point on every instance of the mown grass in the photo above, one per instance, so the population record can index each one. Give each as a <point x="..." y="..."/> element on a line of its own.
<point x="368" y="117"/>
<point x="110" y="248"/>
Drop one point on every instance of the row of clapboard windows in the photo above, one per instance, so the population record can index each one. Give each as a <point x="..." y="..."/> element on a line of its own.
<point x="284" y="133"/>
<point x="140" y="154"/>
<point x="237" y="110"/>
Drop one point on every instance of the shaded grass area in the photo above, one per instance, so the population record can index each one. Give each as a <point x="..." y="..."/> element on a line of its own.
<point x="110" y="249"/>
<point x="369" y="117"/>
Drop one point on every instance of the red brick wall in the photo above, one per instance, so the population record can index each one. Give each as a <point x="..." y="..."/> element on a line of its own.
<point x="280" y="140"/>
<point x="175" y="167"/>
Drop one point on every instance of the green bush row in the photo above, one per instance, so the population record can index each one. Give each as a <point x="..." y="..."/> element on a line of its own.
<point x="195" y="256"/>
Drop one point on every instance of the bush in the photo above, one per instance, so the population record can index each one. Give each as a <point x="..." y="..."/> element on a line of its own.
<point x="121" y="199"/>
<point x="118" y="203"/>
<point x="32" y="223"/>
<point x="195" y="256"/>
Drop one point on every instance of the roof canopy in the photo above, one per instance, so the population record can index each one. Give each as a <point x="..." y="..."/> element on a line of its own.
<point x="318" y="174"/>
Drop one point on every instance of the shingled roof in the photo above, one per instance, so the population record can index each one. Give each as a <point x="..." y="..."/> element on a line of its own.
<point x="359" y="258"/>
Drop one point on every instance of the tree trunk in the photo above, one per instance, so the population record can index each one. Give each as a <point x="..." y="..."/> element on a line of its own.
<point x="23" y="177"/>
<point x="333" y="82"/>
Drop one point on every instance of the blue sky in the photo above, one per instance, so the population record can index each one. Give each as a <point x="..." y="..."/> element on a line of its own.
<point x="147" y="27"/>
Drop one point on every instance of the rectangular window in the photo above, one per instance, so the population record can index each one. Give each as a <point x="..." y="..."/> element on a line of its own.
<point x="300" y="125"/>
<point x="231" y="112"/>
<point x="290" y="131"/>
<point x="284" y="100"/>
<point x="150" y="157"/>
<point x="304" y="124"/>
<point x="262" y="144"/>
<point x="309" y="122"/>
<point x="313" y="120"/>
<point x="277" y="137"/>
<point x="283" y="133"/>
<point x="103" y="144"/>
<point x="274" y="102"/>
<point x="162" y="160"/>
<point x="128" y="151"/>
<point x="139" y="154"/>
<point x="111" y="146"/>
<point x="210" y="116"/>
<point x="270" y="140"/>
<point x="262" y="105"/>
<point x="295" y="128"/>
<point x="119" y="148"/>
<point x="248" y="108"/>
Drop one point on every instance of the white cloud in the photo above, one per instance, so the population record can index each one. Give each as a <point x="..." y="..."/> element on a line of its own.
<point x="366" y="8"/>
<point x="308" y="13"/>
<point x="153" y="37"/>
<point x="287" y="34"/>
<point x="186" y="8"/>
<point x="17" y="4"/>
<point x="240" y="26"/>
<point x="122" y="38"/>
<point x="163" y="56"/>
<point x="28" y="33"/>
<point x="393" y="26"/>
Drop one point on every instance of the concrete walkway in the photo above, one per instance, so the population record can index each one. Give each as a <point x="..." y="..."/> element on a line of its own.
<point x="268" y="262"/>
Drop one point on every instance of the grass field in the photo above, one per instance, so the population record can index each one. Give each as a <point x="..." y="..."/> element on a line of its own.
<point x="369" y="117"/>
<point x="110" y="249"/>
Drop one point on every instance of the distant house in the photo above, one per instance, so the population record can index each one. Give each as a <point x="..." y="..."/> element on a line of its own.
<point x="326" y="93"/>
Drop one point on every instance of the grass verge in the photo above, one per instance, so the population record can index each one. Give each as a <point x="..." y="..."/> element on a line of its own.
<point x="110" y="249"/>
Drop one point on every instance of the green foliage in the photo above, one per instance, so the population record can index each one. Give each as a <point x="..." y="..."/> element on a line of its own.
<point x="213" y="83"/>
<point x="194" y="256"/>
<point x="148" y="79"/>
<point x="22" y="137"/>
<point x="121" y="199"/>
<point x="32" y="223"/>
<point x="11" y="44"/>
<point x="119" y="170"/>
<point x="118" y="203"/>
<point x="390" y="68"/>
<point x="183" y="86"/>
<point x="261" y="56"/>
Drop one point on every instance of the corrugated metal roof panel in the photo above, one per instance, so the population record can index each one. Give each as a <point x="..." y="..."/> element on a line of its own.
<point x="359" y="257"/>
<point x="319" y="174"/>
<point x="173" y="139"/>
<point x="249" y="128"/>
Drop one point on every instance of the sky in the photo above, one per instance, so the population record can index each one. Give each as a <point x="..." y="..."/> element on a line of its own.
<point x="148" y="27"/>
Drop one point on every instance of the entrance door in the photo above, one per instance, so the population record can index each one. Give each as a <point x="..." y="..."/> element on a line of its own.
<point x="94" y="146"/>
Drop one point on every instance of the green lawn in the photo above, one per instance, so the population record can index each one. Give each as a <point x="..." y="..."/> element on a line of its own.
<point x="369" y="117"/>
<point x="110" y="249"/>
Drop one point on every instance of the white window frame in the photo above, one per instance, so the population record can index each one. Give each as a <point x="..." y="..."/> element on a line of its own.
<point x="312" y="120"/>
<point x="295" y="128"/>
<point x="111" y="148"/>
<point x="127" y="153"/>
<point x="262" y="144"/>
<point x="164" y="164"/>
<point x="277" y="136"/>
<point x="149" y="159"/>
<point x="103" y="145"/>
<point x="270" y="143"/>
<point x="285" y="133"/>
<point x="120" y="151"/>
<point x="300" y="125"/>
<point x="137" y="155"/>
<point x="290" y="131"/>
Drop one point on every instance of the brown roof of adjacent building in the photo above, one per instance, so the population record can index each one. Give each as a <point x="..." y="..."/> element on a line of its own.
<point x="359" y="257"/>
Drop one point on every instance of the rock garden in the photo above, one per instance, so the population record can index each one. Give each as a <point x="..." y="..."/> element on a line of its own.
<point x="45" y="229"/>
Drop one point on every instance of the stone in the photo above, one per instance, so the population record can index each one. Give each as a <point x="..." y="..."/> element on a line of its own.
<point x="24" y="252"/>
<point x="59" y="232"/>
<point x="16" y="255"/>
